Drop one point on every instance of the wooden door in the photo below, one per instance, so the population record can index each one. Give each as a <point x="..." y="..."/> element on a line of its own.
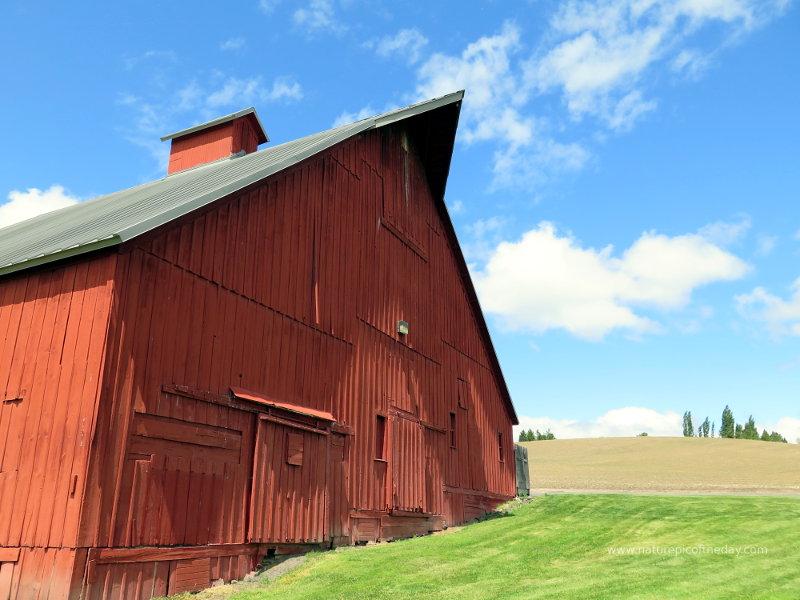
<point x="185" y="480"/>
<point x="408" y="463"/>
<point x="289" y="480"/>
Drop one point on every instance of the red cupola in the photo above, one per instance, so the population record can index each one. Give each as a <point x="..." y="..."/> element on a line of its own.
<point x="237" y="133"/>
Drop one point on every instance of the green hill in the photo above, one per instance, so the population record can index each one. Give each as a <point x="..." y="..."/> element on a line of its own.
<point x="587" y="547"/>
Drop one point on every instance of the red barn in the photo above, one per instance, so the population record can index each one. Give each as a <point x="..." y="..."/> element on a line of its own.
<point x="265" y="351"/>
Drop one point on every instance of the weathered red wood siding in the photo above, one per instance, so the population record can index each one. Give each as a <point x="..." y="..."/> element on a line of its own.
<point x="292" y="288"/>
<point x="53" y="325"/>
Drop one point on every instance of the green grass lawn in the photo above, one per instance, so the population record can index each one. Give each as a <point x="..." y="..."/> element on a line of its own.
<point x="557" y="547"/>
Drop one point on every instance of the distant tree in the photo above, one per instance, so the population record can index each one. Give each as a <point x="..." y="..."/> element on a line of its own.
<point x="643" y="434"/>
<point x="713" y="426"/>
<point x="738" y="431"/>
<point x="688" y="428"/>
<point x="548" y="435"/>
<point x="705" y="428"/>
<point x="538" y="436"/>
<point x="776" y="437"/>
<point x="523" y="436"/>
<point x="764" y="436"/>
<point x="727" y="429"/>
<point x="749" y="432"/>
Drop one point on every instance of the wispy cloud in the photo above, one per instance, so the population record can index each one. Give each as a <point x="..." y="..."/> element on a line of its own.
<point x="268" y="6"/>
<point x="33" y="202"/>
<point x="231" y="44"/>
<point x="495" y="112"/>
<point x="604" y="48"/>
<point x="346" y="117"/>
<point x="765" y="244"/>
<point x="252" y="90"/>
<point x="599" y="62"/>
<point x="197" y="101"/>
<point x="408" y="44"/>
<point x="778" y="315"/>
<point x="150" y="56"/>
<point x="318" y="16"/>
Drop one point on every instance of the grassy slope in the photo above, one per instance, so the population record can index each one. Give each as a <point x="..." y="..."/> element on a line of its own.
<point x="556" y="547"/>
<point x="665" y="464"/>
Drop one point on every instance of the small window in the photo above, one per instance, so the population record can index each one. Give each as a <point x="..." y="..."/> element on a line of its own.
<point x="294" y="449"/>
<point x="452" y="430"/>
<point x="380" y="437"/>
<point x="500" y="446"/>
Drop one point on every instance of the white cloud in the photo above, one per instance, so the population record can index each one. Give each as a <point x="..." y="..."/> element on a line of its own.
<point x="318" y="16"/>
<point x="596" y="58"/>
<point x="604" y="48"/>
<point x="545" y="281"/>
<point x="493" y="109"/>
<point x="620" y="422"/>
<point x="407" y="43"/>
<point x="779" y="316"/>
<point x="232" y="44"/>
<point x="284" y="87"/>
<point x="33" y="202"/>
<point x="788" y="427"/>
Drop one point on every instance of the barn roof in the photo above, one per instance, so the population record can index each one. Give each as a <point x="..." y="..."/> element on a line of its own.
<point x="115" y="218"/>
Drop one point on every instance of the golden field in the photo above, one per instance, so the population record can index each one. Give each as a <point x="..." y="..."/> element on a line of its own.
<point x="664" y="465"/>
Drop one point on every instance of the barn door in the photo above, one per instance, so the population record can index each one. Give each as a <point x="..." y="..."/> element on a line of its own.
<point x="289" y="479"/>
<point x="408" y="464"/>
<point x="434" y="450"/>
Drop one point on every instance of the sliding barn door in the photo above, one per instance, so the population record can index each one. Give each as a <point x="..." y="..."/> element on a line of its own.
<point x="289" y="479"/>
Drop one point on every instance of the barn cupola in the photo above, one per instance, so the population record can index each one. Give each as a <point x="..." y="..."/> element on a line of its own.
<point x="235" y="134"/>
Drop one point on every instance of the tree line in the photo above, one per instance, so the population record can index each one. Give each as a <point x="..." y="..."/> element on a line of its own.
<point x="729" y="428"/>
<point x="535" y="436"/>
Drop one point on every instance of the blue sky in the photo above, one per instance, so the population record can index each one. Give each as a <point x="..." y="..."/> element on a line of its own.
<point x="624" y="184"/>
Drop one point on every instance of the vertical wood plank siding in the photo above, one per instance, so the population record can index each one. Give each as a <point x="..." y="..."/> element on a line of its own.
<point x="292" y="288"/>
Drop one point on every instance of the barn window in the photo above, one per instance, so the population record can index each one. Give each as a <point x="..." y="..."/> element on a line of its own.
<point x="294" y="448"/>
<point x="500" y="446"/>
<point x="380" y="437"/>
<point x="452" y="430"/>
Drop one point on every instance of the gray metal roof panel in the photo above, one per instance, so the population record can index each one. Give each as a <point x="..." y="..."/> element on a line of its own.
<point x="115" y="218"/>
